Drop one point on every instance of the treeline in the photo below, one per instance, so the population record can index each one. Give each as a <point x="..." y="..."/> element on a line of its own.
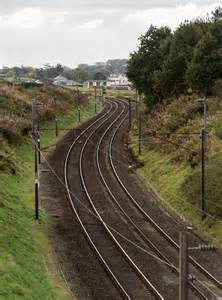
<point x="188" y="60"/>
<point x="84" y="72"/>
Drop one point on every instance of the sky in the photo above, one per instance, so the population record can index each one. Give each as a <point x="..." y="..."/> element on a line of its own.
<point x="71" y="32"/>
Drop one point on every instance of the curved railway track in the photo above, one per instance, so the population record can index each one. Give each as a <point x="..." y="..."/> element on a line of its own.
<point x="193" y="261"/>
<point x="116" y="115"/>
<point x="152" y="293"/>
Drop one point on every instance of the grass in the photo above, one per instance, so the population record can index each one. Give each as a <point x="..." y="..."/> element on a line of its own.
<point x="109" y="92"/>
<point x="168" y="169"/>
<point x="167" y="179"/>
<point x="23" y="242"/>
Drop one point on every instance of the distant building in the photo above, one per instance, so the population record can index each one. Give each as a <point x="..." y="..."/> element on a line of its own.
<point x="118" y="80"/>
<point x="96" y="83"/>
<point x="30" y="83"/>
<point x="61" y="80"/>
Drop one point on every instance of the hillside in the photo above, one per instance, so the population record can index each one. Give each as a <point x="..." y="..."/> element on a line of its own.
<point x="171" y="155"/>
<point x="16" y="114"/>
<point x="27" y="266"/>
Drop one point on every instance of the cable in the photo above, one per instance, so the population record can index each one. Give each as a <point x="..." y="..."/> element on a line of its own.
<point x="91" y="212"/>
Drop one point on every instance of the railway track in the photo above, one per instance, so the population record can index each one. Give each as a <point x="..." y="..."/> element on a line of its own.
<point x="132" y="274"/>
<point x="122" y="277"/>
<point x="208" y="288"/>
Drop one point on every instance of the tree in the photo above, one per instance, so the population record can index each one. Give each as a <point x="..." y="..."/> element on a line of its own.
<point x="80" y="75"/>
<point x="99" y="76"/>
<point x="205" y="66"/>
<point x="146" y="61"/>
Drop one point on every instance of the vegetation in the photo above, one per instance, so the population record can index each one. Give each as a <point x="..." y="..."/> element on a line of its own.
<point x="15" y="113"/>
<point x="168" y="64"/>
<point x="171" y="70"/>
<point x="171" y="156"/>
<point x="84" y="72"/>
<point x="25" y="252"/>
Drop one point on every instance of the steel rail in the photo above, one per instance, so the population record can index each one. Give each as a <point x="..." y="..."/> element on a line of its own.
<point x="117" y="244"/>
<point x="163" y="233"/>
<point x="87" y="235"/>
<point x="139" y="231"/>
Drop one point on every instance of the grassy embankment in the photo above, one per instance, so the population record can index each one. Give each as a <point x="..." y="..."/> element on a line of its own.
<point x="27" y="268"/>
<point x="171" y="160"/>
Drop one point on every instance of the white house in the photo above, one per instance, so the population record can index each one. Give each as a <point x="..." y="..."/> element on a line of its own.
<point x="61" y="80"/>
<point x="118" y="80"/>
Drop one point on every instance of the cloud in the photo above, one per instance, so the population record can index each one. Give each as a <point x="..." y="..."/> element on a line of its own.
<point x="72" y="32"/>
<point x="13" y="5"/>
<point x="26" y="18"/>
<point x="171" y="16"/>
<point x="89" y="25"/>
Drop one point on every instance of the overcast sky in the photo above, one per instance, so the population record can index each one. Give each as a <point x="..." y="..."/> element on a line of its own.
<point x="84" y="31"/>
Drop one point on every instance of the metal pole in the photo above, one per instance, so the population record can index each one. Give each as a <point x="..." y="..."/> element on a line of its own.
<point x="183" y="267"/>
<point x="39" y="148"/>
<point x="79" y="114"/>
<point x="56" y="126"/>
<point x="36" y="138"/>
<point x="130" y="114"/>
<point x="78" y="99"/>
<point x="137" y="104"/>
<point x="56" y="120"/>
<point x="140" y="126"/>
<point x="36" y="198"/>
<point x="205" y="114"/>
<point x="140" y="134"/>
<point x="95" y="100"/>
<point x="203" y="216"/>
<point x="205" y="121"/>
<point x="36" y="175"/>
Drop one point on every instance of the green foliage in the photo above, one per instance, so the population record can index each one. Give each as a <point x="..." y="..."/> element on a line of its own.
<point x="22" y="240"/>
<point x="170" y="159"/>
<point x="81" y="74"/>
<point x="100" y="76"/>
<point x="191" y="187"/>
<point x="205" y="66"/>
<point x="169" y="64"/>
